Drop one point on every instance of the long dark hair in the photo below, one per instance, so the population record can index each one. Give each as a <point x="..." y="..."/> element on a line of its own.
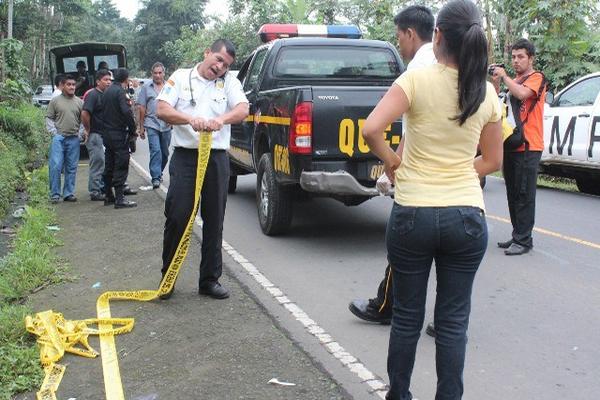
<point x="464" y="41"/>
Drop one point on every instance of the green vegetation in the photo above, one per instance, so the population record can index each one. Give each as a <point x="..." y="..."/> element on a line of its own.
<point x="23" y="146"/>
<point x="31" y="264"/>
<point x="551" y="182"/>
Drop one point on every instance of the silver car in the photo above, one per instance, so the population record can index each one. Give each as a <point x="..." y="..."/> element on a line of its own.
<point x="42" y="96"/>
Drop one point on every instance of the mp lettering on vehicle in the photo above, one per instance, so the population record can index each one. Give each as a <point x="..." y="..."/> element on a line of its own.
<point x="351" y="139"/>
<point x="281" y="159"/>
<point x="593" y="137"/>
<point x="569" y="134"/>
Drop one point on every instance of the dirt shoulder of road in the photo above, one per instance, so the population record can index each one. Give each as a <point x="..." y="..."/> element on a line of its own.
<point x="189" y="347"/>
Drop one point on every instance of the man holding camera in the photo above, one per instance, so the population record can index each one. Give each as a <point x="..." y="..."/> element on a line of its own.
<point x="520" y="165"/>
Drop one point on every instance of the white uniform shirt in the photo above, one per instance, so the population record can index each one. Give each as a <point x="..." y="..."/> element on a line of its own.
<point x="212" y="98"/>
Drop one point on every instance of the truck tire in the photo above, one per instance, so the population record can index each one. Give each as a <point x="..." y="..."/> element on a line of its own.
<point x="588" y="185"/>
<point x="232" y="186"/>
<point x="274" y="202"/>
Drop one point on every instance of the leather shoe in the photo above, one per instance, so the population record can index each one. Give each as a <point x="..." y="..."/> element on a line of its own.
<point x="167" y="295"/>
<point x="516" y="250"/>
<point x="430" y="330"/>
<point x="127" y="191"/>
<point x="125" y="204"/>
<point x="367" y="310"/>
<point x="214" y="290"/>
<point x="505" y="245"/>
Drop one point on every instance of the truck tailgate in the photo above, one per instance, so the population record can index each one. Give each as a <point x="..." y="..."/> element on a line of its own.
<point x="339" y="114"/>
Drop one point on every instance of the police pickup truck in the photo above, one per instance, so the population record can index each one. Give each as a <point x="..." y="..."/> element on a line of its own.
<point x="309" y="98"/>
<point x="572" y="134"/>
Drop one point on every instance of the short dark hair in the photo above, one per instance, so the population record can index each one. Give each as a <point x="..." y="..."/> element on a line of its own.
<point x="419" y="18"/>
<point x="101" y="73"/>
<point x="59" y="79"/>
<point x="69" y="77"/>
<point x="80" y="62"/>
<point x="524" y="44"/>
<point x="121" y="75"/>
<point x="220" y="43"/>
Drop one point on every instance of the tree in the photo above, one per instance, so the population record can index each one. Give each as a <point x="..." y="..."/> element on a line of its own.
<point x="162" y="21"/>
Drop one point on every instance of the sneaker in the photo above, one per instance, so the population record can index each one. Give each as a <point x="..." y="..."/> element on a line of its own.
<point x="55" y="200"/>
<point x="97" y="197"/>
<point x="367" y="310"/>
<point x="70" y="198"/>
<point x="155" y="184"/>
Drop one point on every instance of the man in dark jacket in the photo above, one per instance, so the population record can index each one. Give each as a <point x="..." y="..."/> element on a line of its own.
<point x="119" y="125"/>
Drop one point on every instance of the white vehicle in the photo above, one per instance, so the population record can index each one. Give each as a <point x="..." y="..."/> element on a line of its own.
<point x="42" y="96"/>
<point x="572" y="134"/>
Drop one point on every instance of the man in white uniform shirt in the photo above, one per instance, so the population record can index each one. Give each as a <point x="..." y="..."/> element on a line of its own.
<point x="203" y="98"/>
<point x="414" y="31"/>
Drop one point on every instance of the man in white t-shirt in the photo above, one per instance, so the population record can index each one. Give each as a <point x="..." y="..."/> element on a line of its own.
<point x="203" y="98"/>
<point x="414" y="31"/>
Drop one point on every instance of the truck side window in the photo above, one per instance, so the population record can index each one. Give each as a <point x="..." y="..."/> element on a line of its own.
<point x="255" y="68"/>
<point x="582" y="94"/>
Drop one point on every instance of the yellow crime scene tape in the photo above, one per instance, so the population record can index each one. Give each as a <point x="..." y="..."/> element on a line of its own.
<point x="57" y="335"/>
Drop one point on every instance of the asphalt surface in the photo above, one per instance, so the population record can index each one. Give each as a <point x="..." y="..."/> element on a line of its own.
<point x="189" y="347"/>
<point x="534" y="323"/>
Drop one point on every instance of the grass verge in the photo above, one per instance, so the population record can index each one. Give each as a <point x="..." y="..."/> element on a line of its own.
<point x="30" y="265"/>
<point x="551" y="182"/>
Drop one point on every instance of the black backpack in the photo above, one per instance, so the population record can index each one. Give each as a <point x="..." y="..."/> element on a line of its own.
<point x="517" y="138"/>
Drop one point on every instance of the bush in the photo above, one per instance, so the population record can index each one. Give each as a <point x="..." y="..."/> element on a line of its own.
<point x="23" y="146"/>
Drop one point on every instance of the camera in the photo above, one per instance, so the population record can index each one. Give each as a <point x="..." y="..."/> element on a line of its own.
<point x="492" y="67"/>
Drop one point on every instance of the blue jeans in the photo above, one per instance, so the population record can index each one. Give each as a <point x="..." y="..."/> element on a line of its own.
<point x="158" y="142"/>
<point x="456" y="239"/>
<point x="64" y="152"/>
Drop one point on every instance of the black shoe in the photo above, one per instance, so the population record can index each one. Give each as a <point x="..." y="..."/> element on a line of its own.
<point x="55" y="200"/>
<point x="214" y="290"/>
<point x="167" y="295"/>
<point x="70" y="198"/>
<point x="367" y="310"/>
<point x="127" y="191"/>
<point x="430" y="330"/>
<point x="125" y="204"/>
<point x="155" y="184"/>
<point x="505" y="245"/>
<point x="516" y="250"/>
<point x="97" y="197"/>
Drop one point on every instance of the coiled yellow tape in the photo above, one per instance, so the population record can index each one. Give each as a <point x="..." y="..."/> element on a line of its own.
<point x="57" y="335"/>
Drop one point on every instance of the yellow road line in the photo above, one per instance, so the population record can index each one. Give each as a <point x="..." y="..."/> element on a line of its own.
<point x="553" y="234"/>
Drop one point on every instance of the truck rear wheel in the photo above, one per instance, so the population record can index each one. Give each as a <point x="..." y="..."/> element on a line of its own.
<point x="273" y="201"/>
<point x="588" y="185"/>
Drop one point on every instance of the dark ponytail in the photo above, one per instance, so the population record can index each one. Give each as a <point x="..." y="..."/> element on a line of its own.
<point x="464" y="42"/>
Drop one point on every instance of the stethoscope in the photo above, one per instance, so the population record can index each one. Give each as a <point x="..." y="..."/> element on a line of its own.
<point x="192" y="100"/>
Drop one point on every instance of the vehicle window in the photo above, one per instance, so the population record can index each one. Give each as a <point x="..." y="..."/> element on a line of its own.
<point x="336" y="62"/>
<point x="112" y="60"/>
<point x="255" y="68"/>
<point x="70" y="64"/>
<point x="582" y="94"/>
<point x="39" y="90"/>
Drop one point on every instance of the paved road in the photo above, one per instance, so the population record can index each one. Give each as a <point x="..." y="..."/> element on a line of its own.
<point x="534" y="324"/>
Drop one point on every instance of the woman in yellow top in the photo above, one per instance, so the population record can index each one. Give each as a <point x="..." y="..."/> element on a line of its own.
<point x="438" y="214"/>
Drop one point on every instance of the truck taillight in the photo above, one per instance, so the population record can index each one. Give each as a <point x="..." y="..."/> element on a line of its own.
<point x="301" y="129"/>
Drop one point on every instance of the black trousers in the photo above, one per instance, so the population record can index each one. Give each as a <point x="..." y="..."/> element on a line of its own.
<point x="520" y="175"/>
<point x="116" y="158"/>
<point x="180" y="203"/>
<point x="384" y="299"/>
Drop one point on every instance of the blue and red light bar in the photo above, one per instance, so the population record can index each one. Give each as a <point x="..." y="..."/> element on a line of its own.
<point x="270" y="32"/>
